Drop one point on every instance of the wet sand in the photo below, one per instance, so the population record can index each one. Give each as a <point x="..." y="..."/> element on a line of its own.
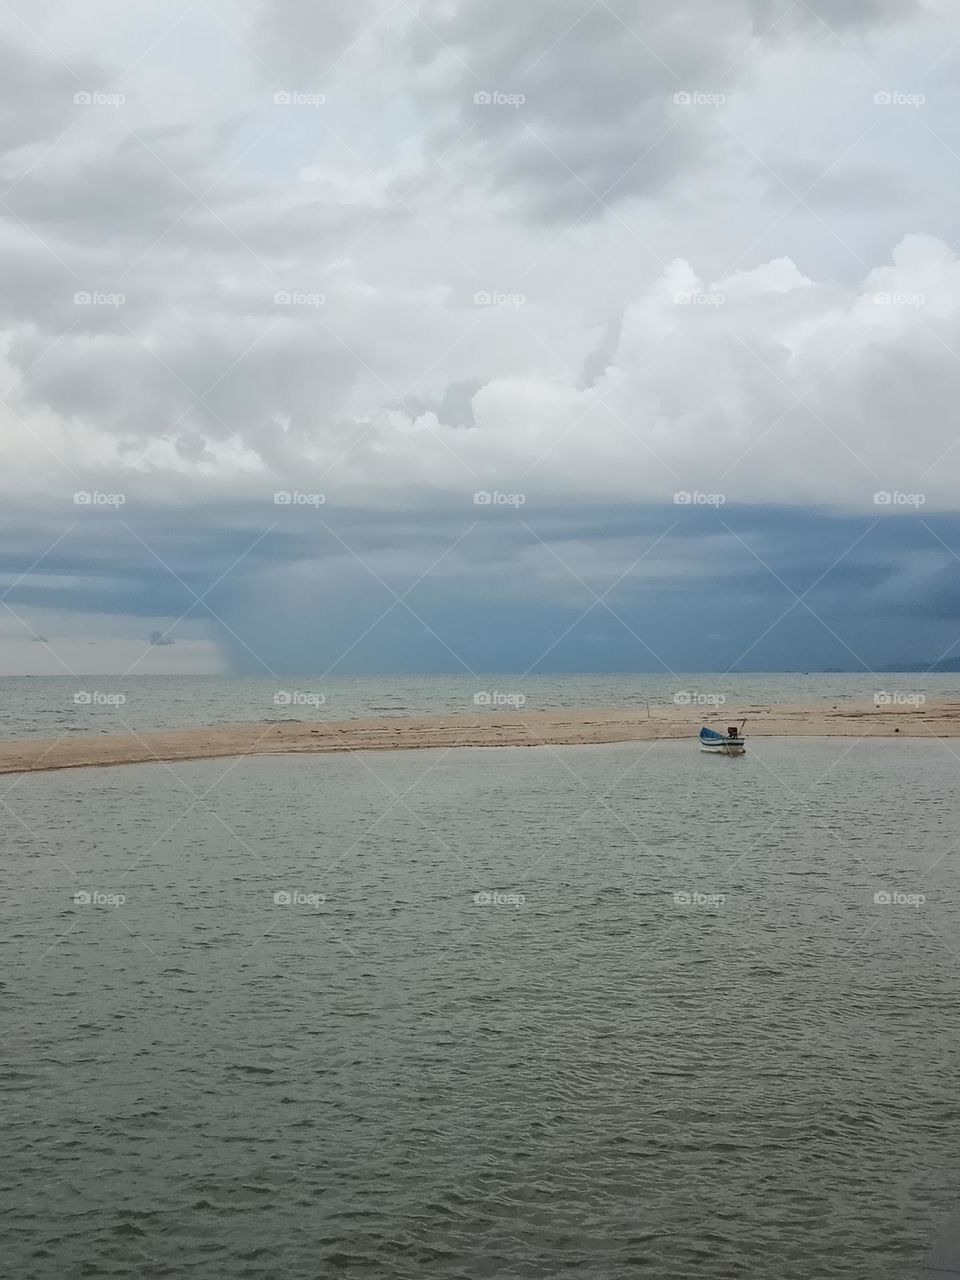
<point x="516" y="729"/>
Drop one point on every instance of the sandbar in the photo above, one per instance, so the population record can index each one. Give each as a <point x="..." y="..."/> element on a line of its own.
<point x="486" y="729"/>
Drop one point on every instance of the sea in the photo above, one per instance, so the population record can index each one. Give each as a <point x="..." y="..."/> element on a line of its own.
<point x="599" y="1011"/>
<point x="48" y="706"/>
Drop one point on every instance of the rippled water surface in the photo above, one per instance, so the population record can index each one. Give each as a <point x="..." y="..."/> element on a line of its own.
<point x="682" y="1038"/>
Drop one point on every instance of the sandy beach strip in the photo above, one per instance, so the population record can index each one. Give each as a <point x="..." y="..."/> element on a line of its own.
<point x="516" y="729"/>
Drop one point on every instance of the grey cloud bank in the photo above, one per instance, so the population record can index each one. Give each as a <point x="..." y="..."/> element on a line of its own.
<point x="254" y="249"/>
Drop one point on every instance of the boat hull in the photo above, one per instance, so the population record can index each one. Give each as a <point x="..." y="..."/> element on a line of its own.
<point x="721" y="744"/>
<point x="723" y="748"/>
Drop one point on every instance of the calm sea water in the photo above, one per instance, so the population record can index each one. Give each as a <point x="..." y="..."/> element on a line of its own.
<point x="47" y="706"/>
<point x="702" y="1021"/>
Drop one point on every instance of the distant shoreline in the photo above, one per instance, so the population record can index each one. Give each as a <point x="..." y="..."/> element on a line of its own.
<point x="516" y="729"/>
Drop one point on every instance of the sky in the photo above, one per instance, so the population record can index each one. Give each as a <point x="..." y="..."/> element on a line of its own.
<point x="465" y="335"/>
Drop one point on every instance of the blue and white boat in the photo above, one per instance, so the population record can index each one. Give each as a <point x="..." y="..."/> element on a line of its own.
<point x="730" y="743"/>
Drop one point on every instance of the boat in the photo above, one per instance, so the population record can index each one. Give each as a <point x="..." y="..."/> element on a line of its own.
<point x="730" y="743"/>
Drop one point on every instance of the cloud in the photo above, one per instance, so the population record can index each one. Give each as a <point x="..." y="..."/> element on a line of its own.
<point x="307" y="39"/>
<point x="400" y="296"/>
<point x="37" y="94"/>
<point x="574" y="107"/>
<point x="763" y="385"/>
<point x="837" y="13"/>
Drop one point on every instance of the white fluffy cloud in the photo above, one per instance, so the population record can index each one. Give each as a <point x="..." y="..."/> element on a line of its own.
<point x="764" y="386"/>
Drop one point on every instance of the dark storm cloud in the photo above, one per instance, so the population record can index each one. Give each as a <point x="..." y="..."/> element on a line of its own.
<point x="715" y="617"/>
<point x="302" y="592"/>
<point x="929" y="590"/>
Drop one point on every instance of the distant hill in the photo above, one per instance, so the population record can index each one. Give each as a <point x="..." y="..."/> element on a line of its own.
<point x="948" y="666"/>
